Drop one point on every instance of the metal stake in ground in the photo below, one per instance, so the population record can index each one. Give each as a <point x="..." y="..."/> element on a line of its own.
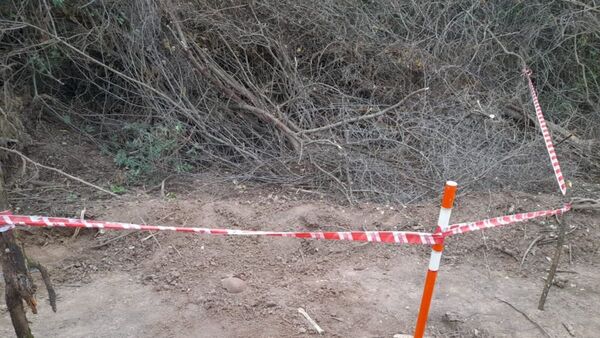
<point x="436" y="256"/>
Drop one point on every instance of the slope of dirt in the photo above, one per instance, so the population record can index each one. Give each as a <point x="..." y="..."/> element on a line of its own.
<point x="166" y="284"/>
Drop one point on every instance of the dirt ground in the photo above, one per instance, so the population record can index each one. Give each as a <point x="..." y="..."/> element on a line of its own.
<point x="139" y="284"/>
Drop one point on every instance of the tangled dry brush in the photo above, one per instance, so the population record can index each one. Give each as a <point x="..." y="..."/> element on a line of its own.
<point x="373" y="99"/>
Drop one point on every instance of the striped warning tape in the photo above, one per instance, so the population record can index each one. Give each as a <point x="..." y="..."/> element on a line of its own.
<point x="6" y="228"/>
<point x="461" y="228"/>
<point x="8" y="221"/>
<point x="398" y="237"/>
<point x="546" y="133"/>
<point x="7" y="224"/>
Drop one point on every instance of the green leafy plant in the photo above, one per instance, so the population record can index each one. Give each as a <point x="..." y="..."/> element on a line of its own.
<point x="39" y="64"/>
<point x="47" y="61"/>
<point x="72" y="197"/>
<point x="149" y="149"/>
<point x="117" y="189"/>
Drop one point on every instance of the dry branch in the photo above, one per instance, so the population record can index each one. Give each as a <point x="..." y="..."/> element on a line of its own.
<point x="579" y="203"/>
<point x="531" y="245"/>
<point x="588" y="147"/>
<point x="58" y="171"/>
<point x="230" y="87"/>
<point x="365" y="117"/>
<point x="264" y="115"/>
<point x="526" y="316"/>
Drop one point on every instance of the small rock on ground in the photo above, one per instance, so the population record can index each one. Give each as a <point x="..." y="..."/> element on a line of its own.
<point x="233" y="284"/>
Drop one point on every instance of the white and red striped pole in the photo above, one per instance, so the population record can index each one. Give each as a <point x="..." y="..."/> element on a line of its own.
<point x="436" y="257"/>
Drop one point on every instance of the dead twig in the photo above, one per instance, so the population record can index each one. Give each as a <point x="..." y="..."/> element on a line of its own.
<point x="485" y="255"/>
<point x="175" y="248"/>
<point x="58" y="171"/>
<point x="531" y="245"/>
<point x="302" y="255"/>
<point x="504" y="49"/>
<point x="569" y="329"/>
<point x="525" y="315"/>
<point x="108" y="241"/>
<point x="578" y="203"/>
<point x="507" y="252"/>
<point x="153" y="236"/>
<point x="162" y="188"/>
<point x="564" y="271"/>
<point x="365" y="117"/>
<point x="147" y="237"/>
<point x="311" y="321"/>
<point x="77" y="230"/>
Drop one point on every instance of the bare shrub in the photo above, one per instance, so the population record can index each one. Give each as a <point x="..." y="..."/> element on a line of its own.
<point x="317" y="94"/>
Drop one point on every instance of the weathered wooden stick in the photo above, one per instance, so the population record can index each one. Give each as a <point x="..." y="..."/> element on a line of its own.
<point x="47" y="281"/>
<point x="559" y="248"/>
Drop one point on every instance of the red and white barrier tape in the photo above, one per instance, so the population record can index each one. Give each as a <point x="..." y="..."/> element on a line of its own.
<point x="546" y="133"/>
<point x="398" y="237"/>
<point x="6" y="228"/>
<point x="461" y="228"/>
<point x="8" y="221"/>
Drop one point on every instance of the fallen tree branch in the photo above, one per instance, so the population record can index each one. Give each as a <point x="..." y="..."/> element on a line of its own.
<point x="264" y="115"/>
<point x="58" y="171"/>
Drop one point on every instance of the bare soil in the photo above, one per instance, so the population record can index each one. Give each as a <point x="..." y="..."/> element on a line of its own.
<point x="167" y="284"/>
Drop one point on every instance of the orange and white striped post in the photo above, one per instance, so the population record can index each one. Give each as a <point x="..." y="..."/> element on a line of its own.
<point x="436" y="257"/>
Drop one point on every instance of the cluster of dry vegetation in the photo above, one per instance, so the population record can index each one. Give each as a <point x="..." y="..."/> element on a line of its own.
<point x="373" y="99"/>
